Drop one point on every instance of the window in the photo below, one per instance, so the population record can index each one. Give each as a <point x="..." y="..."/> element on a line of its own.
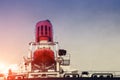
<point x="45" y="29"/>
<point x="41" y="29"/>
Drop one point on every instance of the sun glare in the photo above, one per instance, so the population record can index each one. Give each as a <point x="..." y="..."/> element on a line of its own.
<point x="4" y="68"/>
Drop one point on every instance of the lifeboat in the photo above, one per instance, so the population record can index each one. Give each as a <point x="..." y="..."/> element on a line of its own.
<point x="43" y="57"/>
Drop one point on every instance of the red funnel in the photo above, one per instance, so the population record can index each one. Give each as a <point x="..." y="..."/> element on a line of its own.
<point x="44" y="31"/>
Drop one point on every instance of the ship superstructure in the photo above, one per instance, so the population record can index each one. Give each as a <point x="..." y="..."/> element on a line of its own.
<point x="45" y="59"/>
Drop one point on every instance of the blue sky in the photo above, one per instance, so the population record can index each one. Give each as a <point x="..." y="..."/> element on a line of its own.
<point x="88" y="29"/>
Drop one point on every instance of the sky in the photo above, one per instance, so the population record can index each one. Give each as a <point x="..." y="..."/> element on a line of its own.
<point x="88" y="29"/>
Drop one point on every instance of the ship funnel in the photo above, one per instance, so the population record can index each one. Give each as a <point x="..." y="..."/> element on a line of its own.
<point x="44" y="31"/>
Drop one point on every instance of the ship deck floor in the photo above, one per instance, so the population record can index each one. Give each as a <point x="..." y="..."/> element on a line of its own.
<point x="116" y="78"/>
